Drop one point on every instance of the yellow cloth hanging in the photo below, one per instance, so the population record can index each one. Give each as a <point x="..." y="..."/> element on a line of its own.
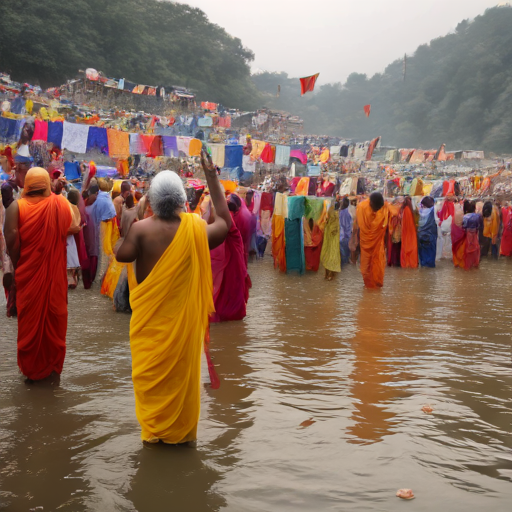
<point x="302" y="187"/>
<point x="330" y="256"/>
<point x="44" y="114"/>
<point x="109" y="237"/>
<point x="257" y="148"/>
<point x="170" y="311"/>
<point x="325" y="156"/>
<point x="492" y="225"/>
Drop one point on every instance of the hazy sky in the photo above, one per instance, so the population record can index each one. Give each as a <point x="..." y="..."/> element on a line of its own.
<point x="336" y="37"/>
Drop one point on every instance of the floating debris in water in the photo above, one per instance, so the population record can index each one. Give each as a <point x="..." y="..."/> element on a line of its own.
<point x="405" y="494"/>
<point x="307" y="423"/>
<point x="427" y="408"/>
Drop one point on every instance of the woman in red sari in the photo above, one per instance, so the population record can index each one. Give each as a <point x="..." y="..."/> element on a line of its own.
<point x="36" y="229"/>
<point x="458" y="237"/>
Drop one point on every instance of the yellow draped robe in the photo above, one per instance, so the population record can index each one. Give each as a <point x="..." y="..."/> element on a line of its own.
<point x="170" y="310"/>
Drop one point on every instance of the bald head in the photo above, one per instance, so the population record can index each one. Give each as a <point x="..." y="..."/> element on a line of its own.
<point x="166" y="195"/>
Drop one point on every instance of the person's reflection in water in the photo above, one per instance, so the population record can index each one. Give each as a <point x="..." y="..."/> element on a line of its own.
<point x="173" y="478"/>
<point x="371" y="373"/>
<point x="183" y="477"/>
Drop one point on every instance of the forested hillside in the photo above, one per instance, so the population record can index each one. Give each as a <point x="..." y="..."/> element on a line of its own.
<point x="146" y="41"/>
<point x="457" y="90"/>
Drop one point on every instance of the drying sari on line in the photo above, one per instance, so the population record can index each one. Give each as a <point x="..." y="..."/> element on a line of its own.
<point x="278" y="238"/>
<point x="313" y="226"/>
<point x="170" y="311"/>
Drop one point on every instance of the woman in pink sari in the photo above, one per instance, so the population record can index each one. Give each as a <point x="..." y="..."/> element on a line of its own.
<point x="231" y="282"/>
<point x="244" y="221"/>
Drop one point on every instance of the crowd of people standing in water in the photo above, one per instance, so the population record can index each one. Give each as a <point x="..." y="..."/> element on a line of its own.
<point x="49" y="233"/>
<point x="152" y="250"/>
<point x="396" y="234"/>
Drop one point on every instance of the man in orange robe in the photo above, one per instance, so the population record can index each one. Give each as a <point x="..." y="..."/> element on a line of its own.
<point x="409" y="250"/>
<point x="372" y="219"/>
<point x="36" y="227"/>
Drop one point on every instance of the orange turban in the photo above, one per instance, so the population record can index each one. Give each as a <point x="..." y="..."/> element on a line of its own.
<point x="37" y="178"/>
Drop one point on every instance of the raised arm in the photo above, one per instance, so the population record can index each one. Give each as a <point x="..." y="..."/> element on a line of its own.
<point x="11" y="233"/>
<point x="218" y="229"/>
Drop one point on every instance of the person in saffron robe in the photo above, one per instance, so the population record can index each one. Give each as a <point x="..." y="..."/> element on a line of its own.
<point x="471" y="223"/>
<point x="372" y="221"/>
<point x="170" y="305"/>
<point x="409" y="250"/>
<point x="427" y="233"/>
<point x="346" y="222"/>
<point x="36" y="229"/>
<point x="489" y="230"/>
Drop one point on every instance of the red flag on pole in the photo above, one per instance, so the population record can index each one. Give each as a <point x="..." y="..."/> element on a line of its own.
<point x="367" y="109"/>
<point x="307" y="84"/>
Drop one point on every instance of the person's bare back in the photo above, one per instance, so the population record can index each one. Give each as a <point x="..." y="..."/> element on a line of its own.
<point x="148" y="239"/>
<point x="152" y="237"/>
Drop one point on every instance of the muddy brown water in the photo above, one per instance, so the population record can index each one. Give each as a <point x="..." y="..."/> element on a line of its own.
<point x="359" y="365"/>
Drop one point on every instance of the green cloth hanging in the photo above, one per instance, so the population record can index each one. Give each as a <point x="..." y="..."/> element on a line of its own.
<point x="294" y="236"/>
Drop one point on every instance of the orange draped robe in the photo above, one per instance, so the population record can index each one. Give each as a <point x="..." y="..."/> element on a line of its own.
<point x="41" y="285"/>
<point x="409" y="251"/>
<point x="372" y="230"/>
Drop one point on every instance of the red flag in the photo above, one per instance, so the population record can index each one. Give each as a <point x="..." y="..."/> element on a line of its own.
<point x="307" y="84"/>
<point x="371" y="148"/>
<point x="367" y="109"/>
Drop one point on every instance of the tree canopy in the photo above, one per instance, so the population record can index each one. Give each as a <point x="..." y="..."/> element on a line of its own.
<point x="457" y="90"/>
<point x="146" y="41"/>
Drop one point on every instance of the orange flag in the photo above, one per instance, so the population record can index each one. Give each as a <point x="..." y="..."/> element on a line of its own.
<point x="367" y="109"/>
<point x="307" y="84"/>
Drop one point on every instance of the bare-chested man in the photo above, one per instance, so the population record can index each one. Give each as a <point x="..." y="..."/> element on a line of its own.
<point x="170" y="305"/>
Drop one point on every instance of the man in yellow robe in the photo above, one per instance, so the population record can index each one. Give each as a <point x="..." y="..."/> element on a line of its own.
<point x="170" y="305"/>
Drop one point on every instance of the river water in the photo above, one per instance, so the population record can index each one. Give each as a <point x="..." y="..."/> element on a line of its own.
<point x="356" y="365"/>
